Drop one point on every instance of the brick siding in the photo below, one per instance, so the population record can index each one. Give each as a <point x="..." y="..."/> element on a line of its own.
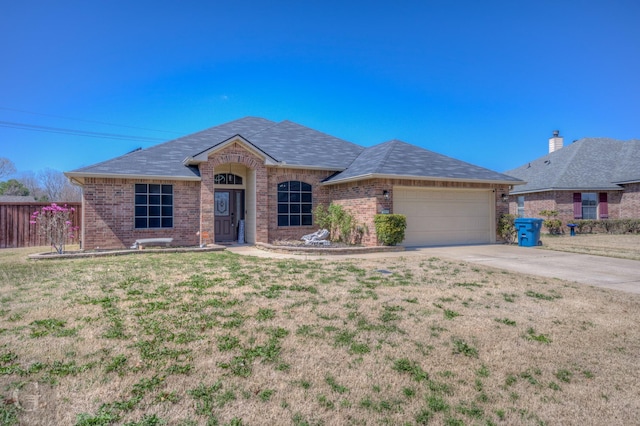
<point x="320" y="195"/>
<point x="621" y="204"/>
<point x="630" y="202"/>
<point x="108" y="206"/>
<point x="365" y="198"/>
<point x="109" y="203"/>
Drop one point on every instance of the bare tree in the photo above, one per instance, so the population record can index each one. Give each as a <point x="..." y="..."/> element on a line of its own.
<point x="7" y="167"/>
<point x="31" y="181"/>
<point x="57" y="187"/>
<point x="71" y="192"/>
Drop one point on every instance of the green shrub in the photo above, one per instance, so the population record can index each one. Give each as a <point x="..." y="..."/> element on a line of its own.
<point x="585" y="225"/>
<point x="506" y="228"/>
<point x="341" y="224"/>
<point x="390" y="228"/>
<point x="551" y="222"/>
<point x="609" y="226"/>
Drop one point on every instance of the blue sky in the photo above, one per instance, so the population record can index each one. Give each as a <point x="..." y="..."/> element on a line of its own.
<point x="482" y="81"/>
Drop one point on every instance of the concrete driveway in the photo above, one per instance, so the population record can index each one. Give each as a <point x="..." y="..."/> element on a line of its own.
<point x="618" y="274"/>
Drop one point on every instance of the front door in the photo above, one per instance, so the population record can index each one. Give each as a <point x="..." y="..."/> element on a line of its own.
<point x="228" y="210"/>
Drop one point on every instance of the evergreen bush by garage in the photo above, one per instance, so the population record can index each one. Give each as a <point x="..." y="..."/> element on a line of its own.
<point x="390" y="228"/>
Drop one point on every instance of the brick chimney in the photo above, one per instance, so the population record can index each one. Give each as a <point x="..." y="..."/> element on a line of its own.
<point x="555" y="142"/>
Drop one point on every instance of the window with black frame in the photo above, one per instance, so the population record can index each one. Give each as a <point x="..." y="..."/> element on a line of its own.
<point x="294" y="203"/>
<point x="227" y="179"/>
<point x="153" y="206"/>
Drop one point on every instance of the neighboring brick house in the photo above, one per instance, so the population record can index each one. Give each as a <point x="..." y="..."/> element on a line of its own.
<point x="271" y="176"/>
<point x="592" y="178"/>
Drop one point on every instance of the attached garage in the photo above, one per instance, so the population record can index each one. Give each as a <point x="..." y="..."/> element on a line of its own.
<point x="446" y="216"/>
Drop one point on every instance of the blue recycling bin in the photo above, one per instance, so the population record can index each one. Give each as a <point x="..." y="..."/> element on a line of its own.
<point x="528" y="231"/>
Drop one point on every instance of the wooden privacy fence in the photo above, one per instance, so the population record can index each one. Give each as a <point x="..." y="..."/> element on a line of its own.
<point x="15" y="229"/>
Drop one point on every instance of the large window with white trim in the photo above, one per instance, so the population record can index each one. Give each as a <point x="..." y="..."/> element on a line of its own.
<point x="589" y="205"/>
<point x="153" y="205"/>
<point x="520" y="206"/>
<point x="294" y="203"/>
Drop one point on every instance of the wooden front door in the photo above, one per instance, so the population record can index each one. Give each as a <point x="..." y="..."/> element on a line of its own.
<point x="228" y="210"/>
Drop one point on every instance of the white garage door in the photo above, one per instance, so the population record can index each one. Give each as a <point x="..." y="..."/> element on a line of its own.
<point x="442" y="217"/>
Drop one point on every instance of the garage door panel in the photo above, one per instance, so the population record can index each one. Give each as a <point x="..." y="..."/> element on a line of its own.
<point x="436" y="217"/>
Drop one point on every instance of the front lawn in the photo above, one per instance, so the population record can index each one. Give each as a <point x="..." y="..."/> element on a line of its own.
<point x="624" y="246"/>
<point x="216" y="338"/>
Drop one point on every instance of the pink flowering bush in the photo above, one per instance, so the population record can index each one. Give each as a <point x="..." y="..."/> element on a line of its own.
<point x="54" y="224"/>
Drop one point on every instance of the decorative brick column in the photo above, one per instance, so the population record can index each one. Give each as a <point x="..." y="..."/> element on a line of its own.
<point x="262" y="205"/>
<point x="207" y="231"/>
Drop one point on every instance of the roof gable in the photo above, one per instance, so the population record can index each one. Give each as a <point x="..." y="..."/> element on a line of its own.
<point x="204" y="155"/>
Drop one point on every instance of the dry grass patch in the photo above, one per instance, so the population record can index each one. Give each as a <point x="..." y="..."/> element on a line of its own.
<point x="625" y="246"/>
<point x="215" y="338"/>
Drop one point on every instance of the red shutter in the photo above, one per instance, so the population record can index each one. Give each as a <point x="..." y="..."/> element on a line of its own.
<point x="604" y="206"/>
<point x="577" y="205"/>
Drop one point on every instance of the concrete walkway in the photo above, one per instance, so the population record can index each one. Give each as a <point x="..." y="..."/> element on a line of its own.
<point x="618" y="274"/>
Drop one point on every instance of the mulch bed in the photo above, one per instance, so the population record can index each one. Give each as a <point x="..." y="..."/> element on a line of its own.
<point x="102" y="253"/>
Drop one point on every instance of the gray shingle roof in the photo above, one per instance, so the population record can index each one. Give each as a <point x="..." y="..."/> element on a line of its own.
<point x="587" y="164"/>
<point x="628" y="169"/>
<point x="16" y="199"/>
<point x="399" y="158"/>
<point x="166" y="159"/>
<point x="294" y="145"/>
<point x="297" y="145"/>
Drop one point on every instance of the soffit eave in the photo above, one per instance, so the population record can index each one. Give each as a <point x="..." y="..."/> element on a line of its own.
<point x="626" y="182"/>
<point x="285" y="165"/>
<point x="574" y="189"/>
<point x="422" y="178"/>
<point x="79" y="177"/>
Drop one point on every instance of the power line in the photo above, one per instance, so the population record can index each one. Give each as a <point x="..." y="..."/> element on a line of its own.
<point x="73" y="132"/>
<point x="88" y="121"/>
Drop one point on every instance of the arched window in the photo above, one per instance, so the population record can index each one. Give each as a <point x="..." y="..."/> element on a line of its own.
<point x="227" y="179"/>
<point x="294" y="203"/>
